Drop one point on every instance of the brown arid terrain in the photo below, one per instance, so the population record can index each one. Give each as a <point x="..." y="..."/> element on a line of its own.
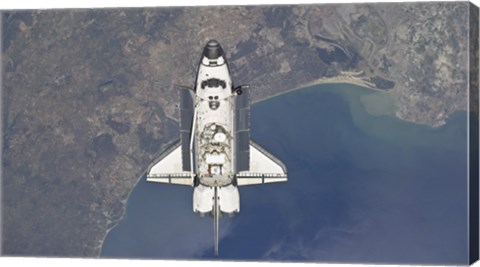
<point x="89" y="97"/>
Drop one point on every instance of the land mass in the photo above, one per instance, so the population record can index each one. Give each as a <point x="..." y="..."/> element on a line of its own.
<point x="89" y="96"/>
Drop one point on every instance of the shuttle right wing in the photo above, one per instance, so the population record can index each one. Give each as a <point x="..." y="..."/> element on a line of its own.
<point x="168" y="168"/>
<point x="174" y="166"/>
<point x="264" y="168"/>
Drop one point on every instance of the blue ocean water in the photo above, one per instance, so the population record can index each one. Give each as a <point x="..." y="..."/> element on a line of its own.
<point x="362" y="188"/>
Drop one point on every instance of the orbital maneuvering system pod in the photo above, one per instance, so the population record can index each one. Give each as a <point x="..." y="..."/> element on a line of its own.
<point x="214" y="153"/>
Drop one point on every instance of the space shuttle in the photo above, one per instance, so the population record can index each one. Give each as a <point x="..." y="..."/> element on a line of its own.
<point x="214" y="153"/>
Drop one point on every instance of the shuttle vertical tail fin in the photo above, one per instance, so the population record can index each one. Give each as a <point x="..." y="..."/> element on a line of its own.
<point x="216" y="218"/>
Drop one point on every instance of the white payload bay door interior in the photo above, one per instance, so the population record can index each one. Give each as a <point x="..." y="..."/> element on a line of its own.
<point x="264" y="168"/>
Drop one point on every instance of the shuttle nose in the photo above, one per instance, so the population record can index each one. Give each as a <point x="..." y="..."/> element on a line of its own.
<point x="213" y="50"/>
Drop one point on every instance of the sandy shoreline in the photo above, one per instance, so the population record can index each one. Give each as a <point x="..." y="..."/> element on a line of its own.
<point x="338" y="79"/>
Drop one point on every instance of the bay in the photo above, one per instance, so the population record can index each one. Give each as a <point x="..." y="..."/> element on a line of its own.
<point x="364" y="186"/>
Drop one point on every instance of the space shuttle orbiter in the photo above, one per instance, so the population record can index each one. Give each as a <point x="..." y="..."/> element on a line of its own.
<point x="214" y="153"/>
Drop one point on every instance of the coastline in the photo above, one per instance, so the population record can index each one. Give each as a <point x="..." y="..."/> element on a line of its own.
<point x="333" y="80"/>
<point x="346" y="78"/>
<point x="117" y="222"/>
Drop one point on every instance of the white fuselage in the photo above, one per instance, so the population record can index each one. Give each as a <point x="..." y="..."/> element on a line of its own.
<point x="214" y="132"/>
<point x="214" y="153"/>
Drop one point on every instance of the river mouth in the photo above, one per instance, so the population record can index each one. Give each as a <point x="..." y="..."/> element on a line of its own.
<point x="363" y="187"/>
